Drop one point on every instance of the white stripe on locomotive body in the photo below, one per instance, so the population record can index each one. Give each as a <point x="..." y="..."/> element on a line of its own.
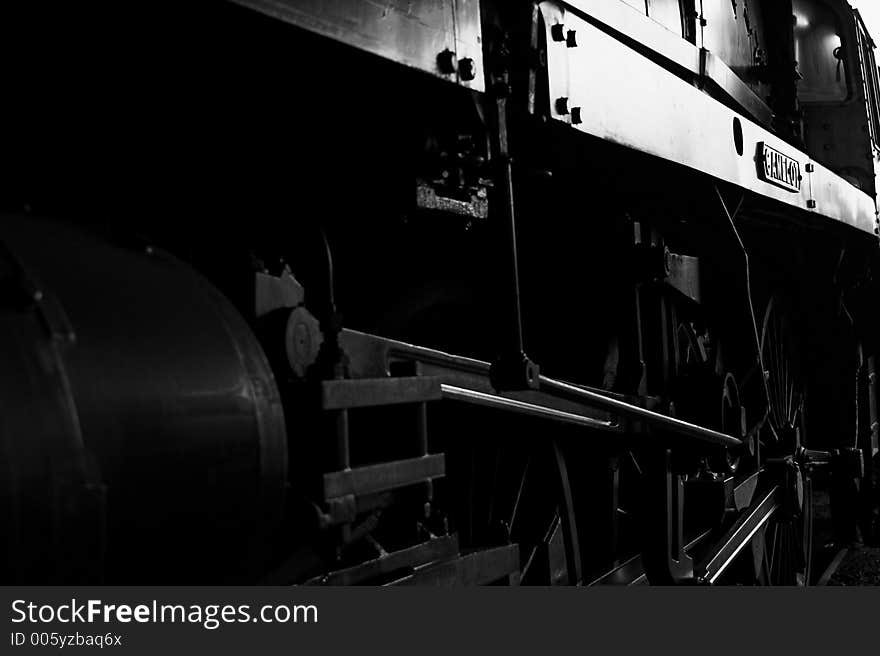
<point x="628" y="99"/>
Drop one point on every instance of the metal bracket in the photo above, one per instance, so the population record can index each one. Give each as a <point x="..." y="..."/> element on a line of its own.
<point x="515" y="372"/>
<point x="663" y="554"/>
<point x="684" y="275"/>
<point x="276" y="292"/>
<point x="847" y="472"/>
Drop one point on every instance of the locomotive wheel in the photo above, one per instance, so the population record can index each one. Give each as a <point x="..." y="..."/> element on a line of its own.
<point x="498" y="489"/>
<point x="783" y="380"/>
<point x="690" y="387"/>
<point x="543" y="524"/>
<point x="780" y="552"/>
<point x="519" y="494"/>
<point x="704" y="395"/>
<point x="787" y="541"/>
<point x="727" y="461"/>
<point x="784" y="548"/>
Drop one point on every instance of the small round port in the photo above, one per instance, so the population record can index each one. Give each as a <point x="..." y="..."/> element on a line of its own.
<point x="738" y="135"/>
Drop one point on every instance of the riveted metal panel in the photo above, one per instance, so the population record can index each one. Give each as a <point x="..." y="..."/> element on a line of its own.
<point x="410" y="32"/>
<point x="627" y="99"/>
<point x="630" y="20"/>
<point x="734" y="31"/>
<point x="685" y="57"/>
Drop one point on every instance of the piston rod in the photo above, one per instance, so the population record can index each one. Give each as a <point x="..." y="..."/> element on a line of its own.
<point x="505" y="403"/>
<point x="448" y="367"/>
<point x="656" y="419"/>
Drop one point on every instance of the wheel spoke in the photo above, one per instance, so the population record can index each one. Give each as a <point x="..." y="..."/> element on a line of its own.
<point x="773" y="554"/>
<point x="522" y="483"/>
<point x="785" y="548"/>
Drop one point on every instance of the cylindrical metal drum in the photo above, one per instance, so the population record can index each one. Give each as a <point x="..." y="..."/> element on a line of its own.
<point x="142" y="436"/>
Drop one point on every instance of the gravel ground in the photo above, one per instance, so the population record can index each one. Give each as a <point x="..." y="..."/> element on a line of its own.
<point x="860" y="566"/>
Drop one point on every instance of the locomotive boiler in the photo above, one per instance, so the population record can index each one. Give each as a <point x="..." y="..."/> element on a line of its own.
<point x="446" y="292"/>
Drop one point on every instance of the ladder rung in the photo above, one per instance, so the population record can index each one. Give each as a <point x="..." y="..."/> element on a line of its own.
<point x="476" y="568"/>
<point x="384" y="476"/>
<point x="441" y="548"/>
<point x="371" y="392"/>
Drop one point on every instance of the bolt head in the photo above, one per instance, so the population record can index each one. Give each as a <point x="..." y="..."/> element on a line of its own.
<point x="557" y="32"/>
<point x="446" y="62"/>
<point x="576" y="116"/>
<point x="562" y="106"/>
<point x="467" y="69"/>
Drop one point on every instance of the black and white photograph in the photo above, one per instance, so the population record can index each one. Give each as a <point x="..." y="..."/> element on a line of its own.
<point x="307" y="293"/>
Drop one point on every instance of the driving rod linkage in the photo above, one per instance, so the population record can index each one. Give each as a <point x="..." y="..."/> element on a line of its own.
<point x="656" y="419"/>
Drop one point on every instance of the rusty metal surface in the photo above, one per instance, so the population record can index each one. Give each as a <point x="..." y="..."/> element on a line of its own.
<point x="414" y="33"/>
<point x="681" y="124"/>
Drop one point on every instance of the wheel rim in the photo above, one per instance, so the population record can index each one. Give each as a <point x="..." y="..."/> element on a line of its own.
<point x="716" y="398"/>
<point x="520" y="495"/>
<point x="787" y="544"/>
<point x="787" y="538"/>
<point x="782" y="379"/>
<point x="731" y="420"/>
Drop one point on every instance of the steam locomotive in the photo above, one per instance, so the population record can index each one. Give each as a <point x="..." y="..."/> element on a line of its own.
<point x="447" y="292"/>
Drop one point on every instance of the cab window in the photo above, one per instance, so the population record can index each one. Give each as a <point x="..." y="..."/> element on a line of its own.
<point x="819" y="53"/>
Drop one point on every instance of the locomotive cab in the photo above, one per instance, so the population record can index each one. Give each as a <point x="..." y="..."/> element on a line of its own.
<point x="837" y="89"/>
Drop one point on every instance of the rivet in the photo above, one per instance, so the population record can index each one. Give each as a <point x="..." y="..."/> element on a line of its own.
<point x="446" y="62"/>
<point x="467" y="70"/>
